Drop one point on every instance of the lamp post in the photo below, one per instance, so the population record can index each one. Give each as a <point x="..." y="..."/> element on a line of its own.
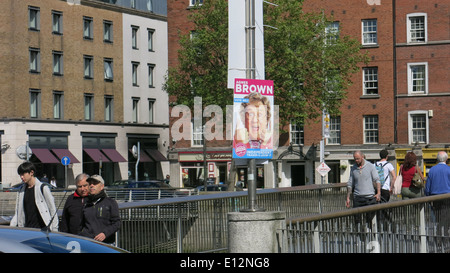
<point x="250" y="71"/>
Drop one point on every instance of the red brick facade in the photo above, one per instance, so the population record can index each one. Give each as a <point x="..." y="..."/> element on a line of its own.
<point x="392" y="55"/>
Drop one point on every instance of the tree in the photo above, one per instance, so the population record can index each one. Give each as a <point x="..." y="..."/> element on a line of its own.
<point x="311" y="65"/>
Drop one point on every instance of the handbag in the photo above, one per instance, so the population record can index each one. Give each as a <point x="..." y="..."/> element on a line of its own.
<point x="417" y="180"/>
<point x="398" y="183"/>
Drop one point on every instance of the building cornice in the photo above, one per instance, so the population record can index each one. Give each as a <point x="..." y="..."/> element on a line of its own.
<point x="82" y="122"/>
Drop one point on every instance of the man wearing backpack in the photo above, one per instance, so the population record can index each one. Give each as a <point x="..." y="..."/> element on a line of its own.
<point x="35" y="206"/>
<point x="387" y="175"/>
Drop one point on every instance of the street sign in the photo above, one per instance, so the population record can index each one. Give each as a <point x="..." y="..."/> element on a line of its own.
<point x="323" y="169"/>
<point x="65" y="160"/>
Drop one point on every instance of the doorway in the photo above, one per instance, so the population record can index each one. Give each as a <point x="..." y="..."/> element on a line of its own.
<point x="298" y="175"/>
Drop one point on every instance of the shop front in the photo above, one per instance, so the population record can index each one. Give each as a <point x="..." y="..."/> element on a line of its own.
<point x="47" y="150"/>
<point x="193" y="168"/>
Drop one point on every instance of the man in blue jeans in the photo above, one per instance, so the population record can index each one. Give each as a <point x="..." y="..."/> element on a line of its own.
<point x="363" y="175"/>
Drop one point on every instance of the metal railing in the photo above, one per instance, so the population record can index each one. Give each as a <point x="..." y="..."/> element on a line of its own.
<point x="199" y="223"/>
<point x="418" y="225"/>
<point x="139" y="194"/>
<point x="317" y="221"/>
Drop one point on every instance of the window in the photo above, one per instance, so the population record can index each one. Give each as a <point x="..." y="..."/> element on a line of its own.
<point x="297" y="134"/>
<point x="335" y="131"/>
<point x="88" y="67"/>
<point x="109" y="106"/>
<point x="57" y="22"/>
<point x="35" y="103"/>
<point x="417" y="78"/>
<point x="57" y="63"/>
<point x="133" y="4"/>
<point x="135" y="113"/>
<point x="369" y="32"/>
<point x="107" y="31"/>
<point x="134" y="37"/>
<point x="35" y="60"/>
<point x="151" y="68"/>
<point x="332" y="33"/>
<point x="370" y="129"/>
<point x="370" y="81"/>
<point x="151" y="33"/>
<point x="108" y="65"/>
<point x="58" y="104"/>
<point x="88" y="106"/>
<point x="88" y="31"/>
<point x="151" y="108"/>
<point x="134" y="73"/>
<point x="417" y="28"/>
<point x="34" y="20"/>
<point x="195" y="2"/>
<point x="197" y="135"/>
<point x="418" y="127"/>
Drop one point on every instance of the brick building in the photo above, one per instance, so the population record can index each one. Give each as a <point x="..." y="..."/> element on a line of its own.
<point x="83" y="79"/>
<point x="397" y="101"/>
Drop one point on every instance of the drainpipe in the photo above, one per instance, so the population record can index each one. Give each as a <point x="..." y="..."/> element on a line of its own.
<point x="394" y="67"/>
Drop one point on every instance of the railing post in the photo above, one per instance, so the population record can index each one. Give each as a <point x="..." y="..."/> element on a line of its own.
<point x="374" y="245"/>
<point x="316" y="237"/>
<point x="179" y="231"/>
<point x="422" y="230"/>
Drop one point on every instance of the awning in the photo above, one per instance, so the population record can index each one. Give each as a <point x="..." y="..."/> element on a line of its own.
<point x="156" y="155"/>
<point x="143" y="157"/>
<point x="114" y="155"/>
<point x="96" y="155"/>
<point x="60" y="153"/>
<point x="45" y="156"/>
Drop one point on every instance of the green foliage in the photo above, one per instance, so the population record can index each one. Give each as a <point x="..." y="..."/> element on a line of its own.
<point x="311" y="68"/>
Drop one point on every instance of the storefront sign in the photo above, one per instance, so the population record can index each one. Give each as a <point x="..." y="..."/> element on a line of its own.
<point x="210" y="156"/>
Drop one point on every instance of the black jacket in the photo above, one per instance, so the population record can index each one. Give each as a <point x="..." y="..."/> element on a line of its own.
<point x="72" y="214"/>
<point x="100" y="214"/>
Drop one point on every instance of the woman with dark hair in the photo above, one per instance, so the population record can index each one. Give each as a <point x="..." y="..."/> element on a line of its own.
<point x="408" y="169"/>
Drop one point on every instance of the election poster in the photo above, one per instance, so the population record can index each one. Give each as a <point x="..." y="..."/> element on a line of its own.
<point x="253" y="119"/>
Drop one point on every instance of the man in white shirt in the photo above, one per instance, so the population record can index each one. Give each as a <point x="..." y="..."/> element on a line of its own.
<point x="389" y="176"/>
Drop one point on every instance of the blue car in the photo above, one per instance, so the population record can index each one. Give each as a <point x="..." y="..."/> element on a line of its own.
<point x="30" y="240"/>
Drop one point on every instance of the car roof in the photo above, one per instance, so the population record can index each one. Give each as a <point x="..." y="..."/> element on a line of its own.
<point x="28" y="240"/>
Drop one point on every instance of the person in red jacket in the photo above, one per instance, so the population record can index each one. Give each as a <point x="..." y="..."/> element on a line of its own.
<point x="408" y="169"/>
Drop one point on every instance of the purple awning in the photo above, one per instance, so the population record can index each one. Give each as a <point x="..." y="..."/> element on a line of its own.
<point x="60" y="153"/>
<point x="114" y="155"/>
<point x="143" y="157"/>
<point x="45" y="156"/>
<point x="96" y="155"/>
<point x="156" y="155"/>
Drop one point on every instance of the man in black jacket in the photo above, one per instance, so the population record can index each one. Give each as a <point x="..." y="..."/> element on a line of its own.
<point x="73" y="208"/>
<point x="101" y="218"/>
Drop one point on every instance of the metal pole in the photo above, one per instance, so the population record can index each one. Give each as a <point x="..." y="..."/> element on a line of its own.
<point x="137" y="161"/>
<point x="65" y="177"/>
<point x="205" y="170"/>
<point x="250" y="41"/>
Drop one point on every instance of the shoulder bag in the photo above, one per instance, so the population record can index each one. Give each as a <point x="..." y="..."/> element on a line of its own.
<point x="417" y="180"/>
<point x="398" y="183"/>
